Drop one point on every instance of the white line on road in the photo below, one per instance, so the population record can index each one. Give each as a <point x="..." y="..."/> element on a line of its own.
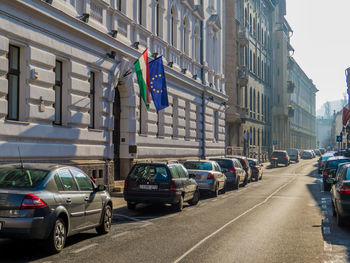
<point x="85" y="248"/>
<point x="230" y="222"/>
<point x="120" y="234"/>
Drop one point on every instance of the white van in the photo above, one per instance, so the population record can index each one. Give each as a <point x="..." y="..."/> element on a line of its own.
<point x="293" y="154"/>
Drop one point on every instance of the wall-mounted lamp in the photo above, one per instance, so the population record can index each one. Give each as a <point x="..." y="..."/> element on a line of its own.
<point x="84" y="17"/>
<point x="154" y="55"/>
<point x="194" y="76"/>
<point x="170" y="64"/>
<point x="136" y="44"/>
<point x="111" y="55"/>
<point x="49" y="1"/>
<point x="184" y="70"/>
<point x="34" y="74"/>
<point x="211" y="98"/>
<point x="113" y="33"/>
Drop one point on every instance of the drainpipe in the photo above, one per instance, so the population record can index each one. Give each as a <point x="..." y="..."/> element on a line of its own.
<point x="203" y="82"/>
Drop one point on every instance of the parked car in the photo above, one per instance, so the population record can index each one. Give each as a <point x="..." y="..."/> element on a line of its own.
<point x="340" y="194"/>
<point x="208" y="175"/>
<point x="233" y="170"/>
<point x="307" y="154"/>
<point x="257" y="168"/>
<point x="245" y="164"/>
<point x="317" y="152"/>
<point x="329" y="170"/>
<point x="293" y="154"/>
<point x="322" y="160"/>
<point x="280" y="156"/>
<point x="160" y="183"/>
<point x="52" y="202"/>
<point x="322" y="150"/>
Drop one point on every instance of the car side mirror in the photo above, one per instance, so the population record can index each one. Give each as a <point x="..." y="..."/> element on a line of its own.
<point x="100" y="188"/>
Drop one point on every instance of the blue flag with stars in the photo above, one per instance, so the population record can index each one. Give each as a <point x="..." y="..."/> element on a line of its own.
<point x="158" y="84"/>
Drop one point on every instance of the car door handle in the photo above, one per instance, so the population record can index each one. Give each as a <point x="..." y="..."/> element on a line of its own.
<point x="68" y="200"/>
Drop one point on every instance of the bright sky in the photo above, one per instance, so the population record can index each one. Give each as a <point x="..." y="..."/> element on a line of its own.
<point x="321" y="41"/>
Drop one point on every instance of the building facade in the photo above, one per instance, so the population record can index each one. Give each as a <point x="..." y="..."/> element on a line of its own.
<point x="248" y="120"/>
<point x="68" y="93"/>
<point x="302" y="108"/>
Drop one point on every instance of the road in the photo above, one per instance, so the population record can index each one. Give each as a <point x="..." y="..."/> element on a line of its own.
<point x="286" y="217"/>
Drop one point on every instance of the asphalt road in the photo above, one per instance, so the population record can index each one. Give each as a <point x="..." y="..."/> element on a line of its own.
<point x="286" y="217"/>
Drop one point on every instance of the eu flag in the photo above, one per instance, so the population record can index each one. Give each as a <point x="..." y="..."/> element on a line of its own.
<point x="158" y="84"/>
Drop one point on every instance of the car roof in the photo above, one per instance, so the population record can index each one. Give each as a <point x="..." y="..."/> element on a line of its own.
<point x="338" y="158"/>
<point x="252" y="159"/>
<point x="33" y="165"/>
<point x="213" y="159"/>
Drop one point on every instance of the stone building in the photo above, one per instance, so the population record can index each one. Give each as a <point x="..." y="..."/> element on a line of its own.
<point x="249" y="87"/>
<point x="302" y="108"/>
<point x="68" y="92"/>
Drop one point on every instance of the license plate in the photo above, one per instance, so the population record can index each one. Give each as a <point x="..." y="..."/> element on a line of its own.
<point x="149" y="187"/>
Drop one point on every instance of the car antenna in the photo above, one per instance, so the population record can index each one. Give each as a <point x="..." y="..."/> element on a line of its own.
<point x="20" y="158"/>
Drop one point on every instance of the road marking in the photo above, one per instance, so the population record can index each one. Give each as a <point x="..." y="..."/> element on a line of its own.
<point x="327" y="230"/>
<point x="327" y="247"/>
<point x="120" y="234"/>
<point x="232" y="221"/>
<point x="85" y="248"/>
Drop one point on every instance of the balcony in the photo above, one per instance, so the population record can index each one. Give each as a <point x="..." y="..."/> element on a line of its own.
<point x="244" y="114"/>
<point x="242" y="76"/>
<point x="291" y="111"/>
<point x="290" y="86"/>
<point x="243" y="37"/>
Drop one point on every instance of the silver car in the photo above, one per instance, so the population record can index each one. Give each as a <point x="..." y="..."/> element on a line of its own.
<point x="207" y="174"/>
<point x="48" y="201"/>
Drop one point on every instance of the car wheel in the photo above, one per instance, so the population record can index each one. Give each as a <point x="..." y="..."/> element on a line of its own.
<point x="216" y="191"/>
<point x="106" y="224"/>
<point x="340" y="220"/>
<point x="180" y="205"/>
<point x="57" y="238"/>
<point x="131" y="206"/>
<point x="334" y="213"/>
<point x="236" y="183"/>
<point x="195" y="198"/>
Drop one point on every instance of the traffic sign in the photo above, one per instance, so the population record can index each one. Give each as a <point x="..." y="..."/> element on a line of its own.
<point x="275" y="142"/>
<point x="339" y="138"/>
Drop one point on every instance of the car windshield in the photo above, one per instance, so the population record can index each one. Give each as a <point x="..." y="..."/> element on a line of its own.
<point x="279" y="154"/>
<point x="252" y="163"/>
<point x="149" y="173"/>
<point x="224" y="164"/>
<point x="198" y="166"/>
<point x="334" y="164"/>
<point x="21" y="178"/>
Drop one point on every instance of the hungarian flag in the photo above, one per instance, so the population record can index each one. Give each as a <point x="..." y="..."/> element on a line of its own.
<point x="346" y="115"/>
<point x="142" y="73"/>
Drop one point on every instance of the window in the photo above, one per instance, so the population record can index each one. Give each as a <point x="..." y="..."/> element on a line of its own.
<point x="258" y="108"/>
<point x="250" y="60"/>
<point x="67" y="180"/>
<point x="119" y="5"/>
<point x="245" y="97"/>
<point x="140" y="12"/>
<point x="174" y="172"/>
<point x="250" y="99"/>
<point x="13" y="82"/>
<point x="254" y="63"/>
<point x="185" y="37"/>
<point x="92" y="100"/>
<point x="172" y="27"/>
<point x="157" y="18"/>
<point x="83" y="181"/>
<point x="216" y="126"/>
<point x="58" y="183"/>
<point x="58" y="93"/>
<point x="11" y="177"/>
<point x="196" y="44"/>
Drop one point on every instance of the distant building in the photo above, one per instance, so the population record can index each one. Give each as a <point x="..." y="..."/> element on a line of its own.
<point x="302" y="109"/>
<point x="324" y="132"/>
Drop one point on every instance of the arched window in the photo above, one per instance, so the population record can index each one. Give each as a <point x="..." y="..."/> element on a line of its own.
<point x="245" y="17"/>
<point x="140" y="11"/>
<point x="196" y="44"/>
<point x="246" y="57"/>
<point x="245" y="97"/>
<point x="254" y="137"/>
<point x="258" y="31"/>
<point x="251" y="136"/>
<point x="250" y="23"/>
<point x="254" y="63"/>
<point x="254" y="101"/>
<point x="262" y="70"/>
<point x="250" y="60"/>
<point x="258" y="108"/>
<point x="259" y="66"/>
<point x="185" y="36"/>
<point x="262" y="36"/>
<point x="172" y="27"/>
<point x="258" y="137"/>
<point x="250" y="99"/>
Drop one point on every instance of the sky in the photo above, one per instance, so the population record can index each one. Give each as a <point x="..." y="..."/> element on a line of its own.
<point x="321" y="41"/>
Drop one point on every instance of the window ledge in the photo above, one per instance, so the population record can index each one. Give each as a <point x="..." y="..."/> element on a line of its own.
<point x="95" y="130"/>
<point x="18" y="122"/>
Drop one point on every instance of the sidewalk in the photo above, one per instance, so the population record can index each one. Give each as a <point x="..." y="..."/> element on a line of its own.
<point x="118" y="200"/>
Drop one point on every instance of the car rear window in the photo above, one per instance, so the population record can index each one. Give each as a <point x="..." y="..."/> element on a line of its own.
<point x="21" y="178"/>
<point x="149" y="173"/>
<point x="279" y="154"/>
<point x="334" y="164"/>
<point x="224" y="164"/>
<point x="198" y="166"/>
